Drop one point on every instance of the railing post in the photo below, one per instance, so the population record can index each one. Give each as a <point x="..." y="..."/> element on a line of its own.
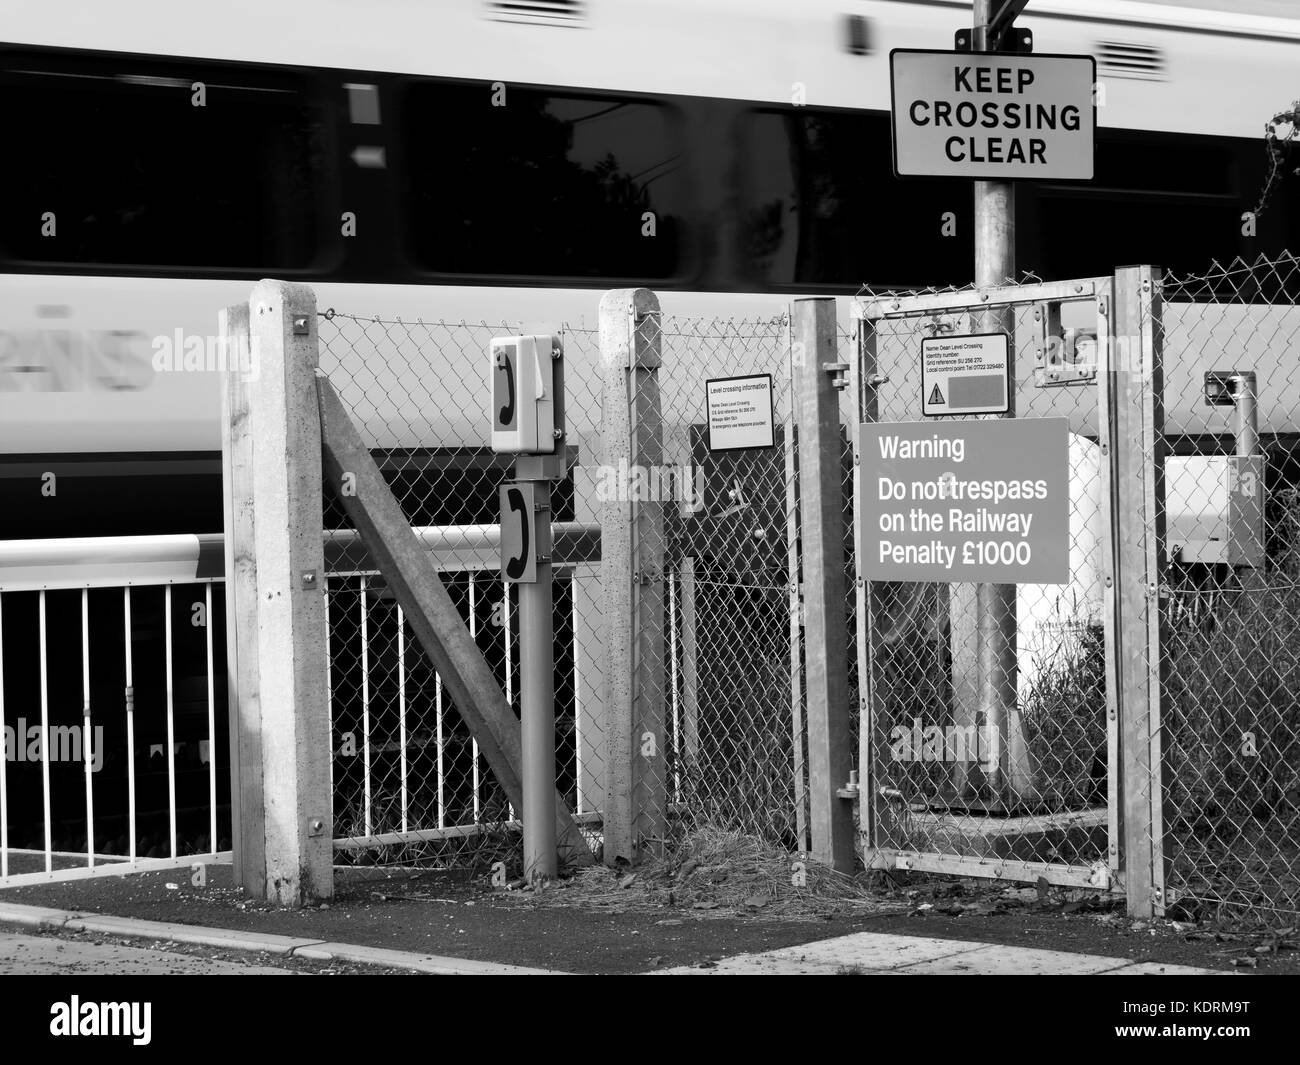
<point x="283" y="563"/>
<point x="1134" y="393"/>
<point x="826" y="630"/>
<point x="632" y="555"/>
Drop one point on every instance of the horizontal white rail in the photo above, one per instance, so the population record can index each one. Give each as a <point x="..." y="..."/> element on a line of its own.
<point x="184" y="558"/>
<point x="108" y="561"/>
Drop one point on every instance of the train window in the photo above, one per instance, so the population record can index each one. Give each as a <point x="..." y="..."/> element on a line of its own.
<point x="1152" y="163"/>
<point x="1089" y="235"/>
<point x="820" y="206"/>
<point x="508" y="181"/>
<point x="119" y="161"/>
<point x="1155" y="198"/>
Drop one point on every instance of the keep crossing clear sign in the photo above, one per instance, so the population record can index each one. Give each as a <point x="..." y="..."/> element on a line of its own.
<point x="979" y="501"/>
<point x="992" y="115"/>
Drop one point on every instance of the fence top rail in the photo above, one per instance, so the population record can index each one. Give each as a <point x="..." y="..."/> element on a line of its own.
<point x="188" y="558"/>
<point x="874" y="307"/>
<point x="109" y="561"/>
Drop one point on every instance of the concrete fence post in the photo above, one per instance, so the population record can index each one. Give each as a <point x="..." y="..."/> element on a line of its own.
<point x="276" y="586"/>
<point x="632" y="574"/>
<point x="826" y="625"/>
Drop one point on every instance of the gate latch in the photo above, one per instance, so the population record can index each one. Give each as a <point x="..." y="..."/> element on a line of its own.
<point x="838" y="372"/>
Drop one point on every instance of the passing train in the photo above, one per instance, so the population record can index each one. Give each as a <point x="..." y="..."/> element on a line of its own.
<point x="499" y="160"/>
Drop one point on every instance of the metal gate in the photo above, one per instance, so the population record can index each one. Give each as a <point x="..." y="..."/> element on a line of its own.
<point x="1040" y="798"/>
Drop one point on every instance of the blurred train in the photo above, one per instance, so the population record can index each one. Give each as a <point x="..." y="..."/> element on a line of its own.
<point x="505" y="160"/>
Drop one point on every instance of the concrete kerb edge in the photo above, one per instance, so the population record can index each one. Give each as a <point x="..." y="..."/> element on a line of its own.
<point x="23" y="916"/>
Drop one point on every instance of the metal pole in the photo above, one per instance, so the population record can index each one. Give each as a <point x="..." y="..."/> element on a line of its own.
<point x="1245" y="419"/>
<point x="995" y="637"/>
<point x="826" y="623"/>
<point x="537" y="708"/>
<point x="1245" y="428"/>
<point x="537" y="649"/>
<point x="798" y="764"/>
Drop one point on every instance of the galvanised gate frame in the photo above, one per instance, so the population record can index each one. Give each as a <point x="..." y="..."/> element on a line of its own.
<point x="934" y="816"/>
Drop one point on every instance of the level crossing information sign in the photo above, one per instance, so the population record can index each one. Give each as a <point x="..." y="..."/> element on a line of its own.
<point x="740" y="413"/>
<point x="968" y="374"/>
<point x="989" y="115"/>
<point x="977" y="501"/>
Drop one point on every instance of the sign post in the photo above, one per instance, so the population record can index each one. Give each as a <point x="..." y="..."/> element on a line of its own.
<point x="995" y="113"/>
<point x="528" y="420"/>
<point x="995" y="604"/>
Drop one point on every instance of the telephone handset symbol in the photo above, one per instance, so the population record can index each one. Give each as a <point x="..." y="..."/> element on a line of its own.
<point x="516" y="567"/>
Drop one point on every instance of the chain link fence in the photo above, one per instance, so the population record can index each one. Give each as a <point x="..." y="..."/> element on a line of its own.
<point x="718" y="732"/>
<point x="1230" y="592"/>
<point x="409" y="782"/>
<point x="734" y="724"/>
<point x="720" y="616"/>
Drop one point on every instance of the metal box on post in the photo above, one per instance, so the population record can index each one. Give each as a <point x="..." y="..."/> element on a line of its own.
<point x="523" y="395"/>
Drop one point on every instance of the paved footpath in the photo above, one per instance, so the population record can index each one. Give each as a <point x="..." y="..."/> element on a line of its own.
<point x="862" y="952"/>
<point x="22" y="955"/>
<point x="870" y="953"/>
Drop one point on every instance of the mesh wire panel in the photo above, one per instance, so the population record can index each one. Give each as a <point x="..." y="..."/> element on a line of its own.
<point x="732" y="718"/>
<point x="951" y="773"/>
<point x="409" y="782"/>
<point x="1230" y="584"/>
<point x="715" y="614"/>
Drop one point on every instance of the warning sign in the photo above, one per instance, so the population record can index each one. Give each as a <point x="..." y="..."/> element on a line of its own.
<point x="966" y="501"/>
<point x="992" y="115"/>
<point x="967" y="374"/>
<point x="740" y="412"/>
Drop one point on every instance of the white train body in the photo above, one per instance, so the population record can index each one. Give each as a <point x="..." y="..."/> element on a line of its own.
<point x="78" y="349"/>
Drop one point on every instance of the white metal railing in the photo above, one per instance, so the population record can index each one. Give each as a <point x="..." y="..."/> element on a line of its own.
<point x="95" y="566"/>
<point x="439" y="785"/>
<point x="98" y="567"/>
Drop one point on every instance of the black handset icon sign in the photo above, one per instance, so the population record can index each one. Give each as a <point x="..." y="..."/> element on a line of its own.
<point x="506" y="415"/>
<point x="516" y="567"/>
